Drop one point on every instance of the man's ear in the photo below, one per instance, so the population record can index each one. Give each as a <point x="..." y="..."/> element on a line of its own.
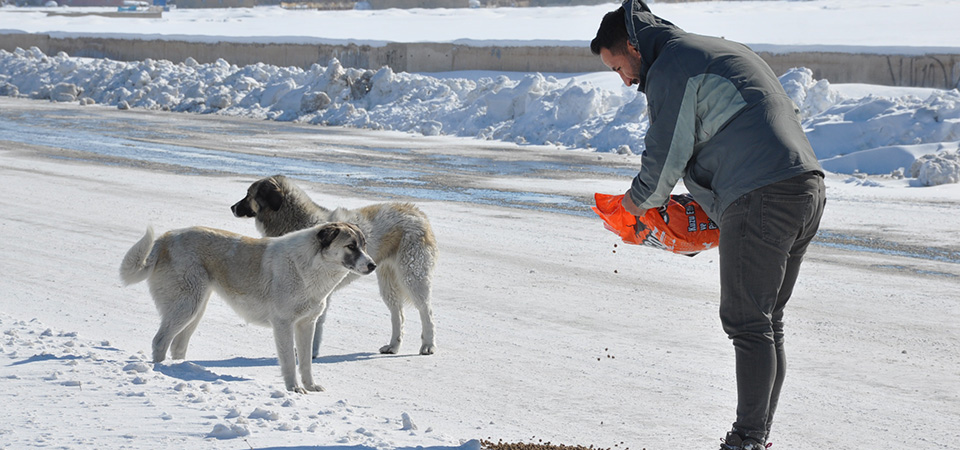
<point x="632" y="50"/>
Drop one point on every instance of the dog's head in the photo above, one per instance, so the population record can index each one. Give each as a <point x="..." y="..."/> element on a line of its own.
<point x="266" y="193"/>
<point x="347" y="244"/>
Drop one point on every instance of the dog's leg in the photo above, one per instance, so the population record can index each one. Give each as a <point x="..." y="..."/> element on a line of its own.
<point x="286" y="355"/>
<point x="419" y="292"/>
<point x="396" y="319"/>
<point x="171" y="323"/>
<point x="178" y="350"/>
<point x="177" y="307"/>
<point x="161" y="341"/>
<point x="390" y="292"/>
<point x="318" y="331"/>
<point x="304" y="329"/>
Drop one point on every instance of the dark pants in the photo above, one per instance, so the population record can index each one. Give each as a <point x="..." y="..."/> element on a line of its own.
<point x="763" y="237"/>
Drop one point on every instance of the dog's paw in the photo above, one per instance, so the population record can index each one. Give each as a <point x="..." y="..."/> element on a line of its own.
<point x="314" y="388"/>
<point x="428" y="349"/>
<point x="297" y="389"/>
<point x="390" y="349"/>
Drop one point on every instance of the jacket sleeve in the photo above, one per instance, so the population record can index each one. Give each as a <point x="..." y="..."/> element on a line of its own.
<point x="672" y="106"/>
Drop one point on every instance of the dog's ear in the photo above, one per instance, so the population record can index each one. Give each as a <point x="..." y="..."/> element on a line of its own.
<point x="327" y="234"/>
<point x="270" y="194"/>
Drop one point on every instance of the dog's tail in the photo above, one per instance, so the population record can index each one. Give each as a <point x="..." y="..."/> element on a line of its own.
<point x="137" y="265"/>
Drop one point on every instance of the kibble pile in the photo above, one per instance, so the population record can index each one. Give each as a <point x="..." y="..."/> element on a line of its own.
<point x="540" y="445"/>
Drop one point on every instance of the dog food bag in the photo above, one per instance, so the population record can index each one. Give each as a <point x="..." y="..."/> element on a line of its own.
<point x="681" y="226"/>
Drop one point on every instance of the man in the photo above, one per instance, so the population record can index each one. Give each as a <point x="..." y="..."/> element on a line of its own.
<point x="720" y="119"/>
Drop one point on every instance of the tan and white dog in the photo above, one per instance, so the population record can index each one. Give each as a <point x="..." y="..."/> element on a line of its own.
<point x="399" y="239"/>
<point x="279" y="282"/>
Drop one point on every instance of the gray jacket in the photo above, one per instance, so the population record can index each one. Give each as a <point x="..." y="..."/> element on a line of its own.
<point x="719" y="117"/>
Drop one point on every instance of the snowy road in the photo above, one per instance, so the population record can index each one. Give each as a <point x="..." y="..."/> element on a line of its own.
<point x="384" y="165"/>
<point x="544" y="330"/>
<point x="387" y="165"/>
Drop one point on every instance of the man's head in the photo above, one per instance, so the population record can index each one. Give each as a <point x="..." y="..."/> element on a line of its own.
<point x="613" y="46"/>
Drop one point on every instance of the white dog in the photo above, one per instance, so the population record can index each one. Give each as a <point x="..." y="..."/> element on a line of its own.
<point x="279" y="282"/>
<point x="401" y="241"/>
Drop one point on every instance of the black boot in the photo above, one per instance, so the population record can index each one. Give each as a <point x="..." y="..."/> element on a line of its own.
<point x="736" y="442"/>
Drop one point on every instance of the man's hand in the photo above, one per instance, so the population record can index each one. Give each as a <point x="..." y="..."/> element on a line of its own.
<point x="630" y="207"/>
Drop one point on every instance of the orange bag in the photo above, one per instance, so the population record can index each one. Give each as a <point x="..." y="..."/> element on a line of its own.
<point x="681" y="226"/>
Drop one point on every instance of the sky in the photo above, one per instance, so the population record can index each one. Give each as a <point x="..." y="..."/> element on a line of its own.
<point x="549" y="329"/>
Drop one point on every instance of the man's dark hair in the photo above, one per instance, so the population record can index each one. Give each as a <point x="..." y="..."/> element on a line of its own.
<point x="612" y="34"/>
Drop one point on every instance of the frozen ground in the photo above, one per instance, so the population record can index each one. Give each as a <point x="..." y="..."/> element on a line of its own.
<point x="914" y="133"/>
<point x="547" y="329"/>
<point x="854" y="128"/>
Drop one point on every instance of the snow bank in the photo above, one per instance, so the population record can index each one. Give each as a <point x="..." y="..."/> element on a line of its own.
<point x="536" y="109"/>
<point x="871" y="122"/>
<point x="879" y="135"/>
<point x="938" y="168"/>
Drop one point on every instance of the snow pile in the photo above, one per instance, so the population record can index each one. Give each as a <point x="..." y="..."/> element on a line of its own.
<point x="872" y="122"/>
<point x="879" y="135"/>
<point x="536" y="109"/>
<point x="938" y="168"/>
<point x="811" y="96"/>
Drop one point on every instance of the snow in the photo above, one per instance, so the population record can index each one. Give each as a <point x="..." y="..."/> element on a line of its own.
<point x="547" y="329"/>
<point x="862" y="26"/>
<point x="849" y="134"/>
<point x="849" y="126"/>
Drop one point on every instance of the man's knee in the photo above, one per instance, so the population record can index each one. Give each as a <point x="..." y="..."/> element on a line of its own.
<point x="755" y="326"/>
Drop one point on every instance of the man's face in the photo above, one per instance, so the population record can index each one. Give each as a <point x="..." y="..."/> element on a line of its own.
<point x="625" y="63"/>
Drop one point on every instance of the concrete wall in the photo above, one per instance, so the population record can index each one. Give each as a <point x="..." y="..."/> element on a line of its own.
<point x="936" y="70"/>
<point x="932" y="70"/>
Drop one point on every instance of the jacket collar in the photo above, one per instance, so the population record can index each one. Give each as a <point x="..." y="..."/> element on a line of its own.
<point x="648" y="34"/>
